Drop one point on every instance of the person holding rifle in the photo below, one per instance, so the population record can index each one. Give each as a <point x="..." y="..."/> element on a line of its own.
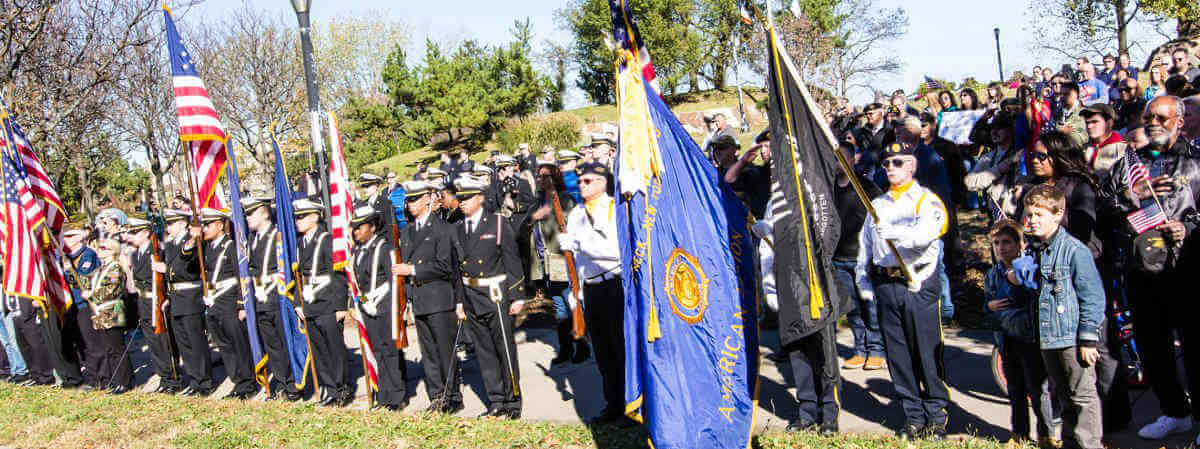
<point x="429" y="260"/>
<point x="263" y="266"/>
<point x="181" y="265"/>
<point x="373" y="269"/>
<point x="550" y="269"/>
<point x="226" y="316"/>
<point x="591" y="235"/>
<point x="162" y="346"/>
<point x="324" y="291"/>
<point x="492" y="278"/>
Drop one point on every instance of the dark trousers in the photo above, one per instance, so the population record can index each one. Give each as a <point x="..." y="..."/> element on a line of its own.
<point x="1026" y="373"/>
<point x="68" y="342"/>
<point x="229" y="333"/>
<point x="392" y="386"/>
<point x="1075" y="386"/>
<point x="270" y="334"/>
<point x="193" y="350"/>
<point x="604" y="312"/>
<point x="501" y="382"/>
<point x="41" y="342"/>
<point x="912" y="338"/>
<point x="1159" y="311"/>
<point x="437" y="332"/>
<point x="161" y="348"/>
<point x="1112" y="381"/>
<point x="815" y="370"/>
<point x="864" y="318"/>
<point x="92" y="350"/>
<point x="114" y="369"/>
<point x="329" y="353"/>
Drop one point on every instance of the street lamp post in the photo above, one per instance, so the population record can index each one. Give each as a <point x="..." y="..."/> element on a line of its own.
<point x="314" y="101"/>
<point x="999" y="63"/>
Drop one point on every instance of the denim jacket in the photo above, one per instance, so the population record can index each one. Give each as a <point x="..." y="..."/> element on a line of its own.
<point x="1016" y="321"/>
<point x="1070" y="307"/>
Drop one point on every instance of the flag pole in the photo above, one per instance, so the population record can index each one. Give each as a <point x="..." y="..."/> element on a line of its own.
<point x="841" y="158"/>
<point x="190" y="173"/>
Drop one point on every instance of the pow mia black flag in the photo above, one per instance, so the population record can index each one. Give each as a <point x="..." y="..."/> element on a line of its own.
<point x="806" y="222"/>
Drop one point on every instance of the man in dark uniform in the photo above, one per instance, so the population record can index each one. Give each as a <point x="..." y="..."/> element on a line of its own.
<point x="372" y="191"/>
<point x="226" y="316"/>
<point x="514" y="201"/>
<point x="324" y="292"/>
<point x="430" y="254"/>
<point x="373" y="270"/>
<point x="913" y="218"/>
<point x="492" y="275"/>
<point x="137" y="232"/>
<point x="264" y="268"/>
<point x="185" y="305"/>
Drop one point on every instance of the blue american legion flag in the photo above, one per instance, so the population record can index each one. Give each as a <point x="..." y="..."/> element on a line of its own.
<point x="199" y="125"/>
<point x="688" y="273"/>
<point x="238" y="217"/>
<point x="295" y="336"/>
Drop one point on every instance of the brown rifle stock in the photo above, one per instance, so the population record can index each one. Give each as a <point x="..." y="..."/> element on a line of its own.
<point x="399" y="301"/>
<point x="159" y="285"/>
<point x="578" y="326"/>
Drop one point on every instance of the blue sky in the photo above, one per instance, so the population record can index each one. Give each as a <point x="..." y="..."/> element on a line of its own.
<point x="946" y="40"/>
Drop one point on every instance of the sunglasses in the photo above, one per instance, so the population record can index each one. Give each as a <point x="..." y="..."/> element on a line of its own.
<point x="1125" y="89"/>
<point x="587" y="180"/>
<point x="1039" y="156"/>
<point x="1150" y="118"/>
<point x="894" y="162"/>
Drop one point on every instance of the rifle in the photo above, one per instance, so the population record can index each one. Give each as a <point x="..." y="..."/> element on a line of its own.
<point x="399" y="301"/>
<point x="159" y="286"/>
<point x="578" y="327"/>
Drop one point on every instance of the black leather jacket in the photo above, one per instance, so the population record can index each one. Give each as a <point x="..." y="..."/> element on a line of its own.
<point x="1181" y="162"/>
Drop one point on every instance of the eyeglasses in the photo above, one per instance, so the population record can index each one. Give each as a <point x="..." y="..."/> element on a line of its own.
<point x="587" y="180"/>
<point x="1039" y="156"/>
<point x="1150" y="118"/>
<point x="893" y="162"/>
<point x="1125" y="89"/>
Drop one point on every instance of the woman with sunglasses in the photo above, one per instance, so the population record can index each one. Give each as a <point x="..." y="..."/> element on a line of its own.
<point x="1055" y="160"/>
<point x="548" y="272"/>
<point x="105" y="293"/>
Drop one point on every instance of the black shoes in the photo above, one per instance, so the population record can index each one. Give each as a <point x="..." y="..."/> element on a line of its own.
<point x="196" y="392"/>
<point x="801" y="425"/>
<point x="292" y="396"/>
<point x="910" y="432"/>
<point x="828" y="429"/>
<point x="240" y="395"/>
<point x="935" y="432"/>
<point x="392" y="407"/>
<point x="118" y="390"/>
<point x="328" y="400"/>
<point x="494" y="412"/>
<point x="582" y="352"/>
<point x="19" y="379"/>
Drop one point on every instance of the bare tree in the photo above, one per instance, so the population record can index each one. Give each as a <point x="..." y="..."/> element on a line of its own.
<point x="860" y="52"/>
<point x="350" y="53"/>
<point x="1071" y="28"/>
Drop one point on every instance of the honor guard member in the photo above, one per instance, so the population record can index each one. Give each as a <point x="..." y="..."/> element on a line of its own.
<point x="428" y="247"/>
<point x="373" y="269"/>
<point x="137" y="233"/>
<point x="492" y="277"/>
<point x="185" y="302"/>
<point x="226" y="315"/>
<point x="373" y="193"/>
<point x="264" y="269"/>
<point x="592" y="235"/>
<point x="913" y="219"/>
<point x="324" y="292"/>
<point x="436" y="178"/>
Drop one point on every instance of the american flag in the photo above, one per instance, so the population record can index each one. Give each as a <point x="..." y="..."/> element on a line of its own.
<point x="199" y="124"/>
<point x="932" y="84"/>
<point x="625" y="32"/>
<point x="339" y="227"/>
<point x="39" y="277"/>
<point x="51" y="207"/>
<point x="1146" y="218"/>
<point x="1137" y="171"/>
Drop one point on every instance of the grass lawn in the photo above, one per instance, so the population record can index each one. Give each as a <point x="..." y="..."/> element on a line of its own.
<point x="49" y="417"/>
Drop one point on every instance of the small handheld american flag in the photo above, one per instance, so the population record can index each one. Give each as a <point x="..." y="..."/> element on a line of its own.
<point x="932" y="84"/>
<point x="1137" y="171"/>
<point x="1146" y="218"/>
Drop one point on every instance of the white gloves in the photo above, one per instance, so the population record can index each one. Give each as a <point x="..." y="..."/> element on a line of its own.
<point x="979" y="180"/>
<point x="567" y="243"/>
<point x="890" y="232"/>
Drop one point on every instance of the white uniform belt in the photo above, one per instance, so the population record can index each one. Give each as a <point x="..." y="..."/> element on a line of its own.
<point x="605" y="276"/>
<point x="185" y="285"/>
<point x="219" y="288"/>
<point x="319" y="281"/>
<point x="493" y="281"/>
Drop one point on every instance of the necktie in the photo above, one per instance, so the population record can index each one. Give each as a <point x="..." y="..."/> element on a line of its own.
<point x="470" y="226"/>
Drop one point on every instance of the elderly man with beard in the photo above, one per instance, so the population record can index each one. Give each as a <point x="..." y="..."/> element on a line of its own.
<point x="1159" y="259"/>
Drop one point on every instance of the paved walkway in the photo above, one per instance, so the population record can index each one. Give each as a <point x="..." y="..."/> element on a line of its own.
<point x="572" y="393"/>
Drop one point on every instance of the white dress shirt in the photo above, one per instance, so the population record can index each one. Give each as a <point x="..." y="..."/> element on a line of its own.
<point x="914" y="218"/>
<point x="594" y="240"/>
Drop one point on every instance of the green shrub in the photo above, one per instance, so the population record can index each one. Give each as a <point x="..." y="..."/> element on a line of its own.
<point x="559" y="131"/>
